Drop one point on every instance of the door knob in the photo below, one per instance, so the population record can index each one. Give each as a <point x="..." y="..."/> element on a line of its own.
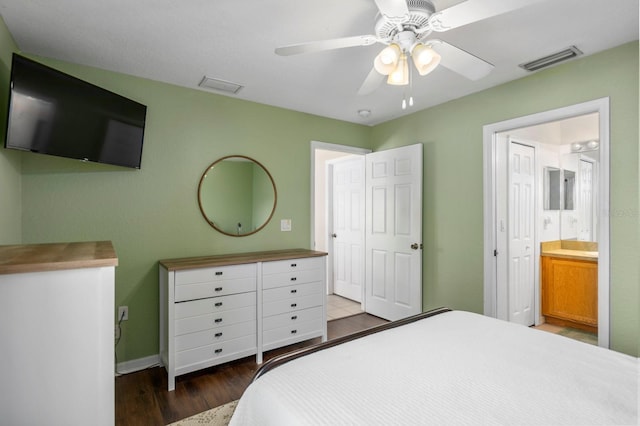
<point x="334" y="235"/>
<point x="416" y="246"/>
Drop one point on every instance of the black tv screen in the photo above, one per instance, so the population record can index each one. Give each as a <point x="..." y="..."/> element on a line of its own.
<point x="53" y="113"/>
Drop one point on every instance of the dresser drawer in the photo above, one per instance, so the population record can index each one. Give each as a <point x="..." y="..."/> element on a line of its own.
<point x="291" y="305"/>
<point x="212" y="289"/>
<point x="218" y="319"/>
<point x="221" y="350"/>
<point x="215" y="335"/>
<point x="292" y="278"/>
<point x="280" y="293"/>
<point x="292" y="318"/>
<point x="292" y="333"/>
<point x="212" y="274"/>
<point x="214" y="304"/>
<point x="292" y="265"/>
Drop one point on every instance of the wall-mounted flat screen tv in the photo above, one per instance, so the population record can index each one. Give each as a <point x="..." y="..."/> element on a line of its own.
<point x="53" y="113"/>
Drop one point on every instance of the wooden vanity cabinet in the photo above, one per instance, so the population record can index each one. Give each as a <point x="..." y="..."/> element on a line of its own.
<point x="215" y="309"/>
<point x="570" y="292"/>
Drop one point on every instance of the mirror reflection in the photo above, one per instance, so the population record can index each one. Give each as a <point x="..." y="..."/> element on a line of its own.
<point x="568" y="193"/>
<point x="237" y="195"/>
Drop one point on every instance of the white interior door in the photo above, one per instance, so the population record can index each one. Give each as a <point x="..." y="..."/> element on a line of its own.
<point x="348" y="226"/>
<point x="521" y="233"/>
<point x="393" y="260"/>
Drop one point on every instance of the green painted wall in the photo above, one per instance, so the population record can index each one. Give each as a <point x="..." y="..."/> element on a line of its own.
<point x="453" y="176"/>
<point x="10" y="167"/>
<point x="152" y="213"/>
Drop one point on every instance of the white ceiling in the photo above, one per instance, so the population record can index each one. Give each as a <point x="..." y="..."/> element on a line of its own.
<point x="181" y="41"/>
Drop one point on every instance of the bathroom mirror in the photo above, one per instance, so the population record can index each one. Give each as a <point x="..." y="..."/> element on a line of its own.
<point x="569" y="181"/>
<point x="237" y="195"/>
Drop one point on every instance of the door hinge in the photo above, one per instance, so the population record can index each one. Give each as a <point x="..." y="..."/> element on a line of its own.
<point x="495" y="252"/>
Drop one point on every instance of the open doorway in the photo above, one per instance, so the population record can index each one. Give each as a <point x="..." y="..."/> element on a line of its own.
<point x="551" y="221"/>
<point x="385" y="261"/>
<point x="324" y="157"/>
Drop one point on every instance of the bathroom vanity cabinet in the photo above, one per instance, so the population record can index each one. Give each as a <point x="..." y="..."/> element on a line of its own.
<point x="570" y="288"/>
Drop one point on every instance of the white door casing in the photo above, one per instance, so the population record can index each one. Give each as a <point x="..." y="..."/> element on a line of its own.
<point x="348" y="226"/>
<point x="394" y="232"/>
<point x="521" y="233"/>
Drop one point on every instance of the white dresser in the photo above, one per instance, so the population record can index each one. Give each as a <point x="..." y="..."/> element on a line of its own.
<point x="56" y="316"/>
<point x="215" y="309"/>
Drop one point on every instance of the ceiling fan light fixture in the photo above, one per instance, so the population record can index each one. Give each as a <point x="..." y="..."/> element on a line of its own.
<point x="400" y="75"/>
<point x="425" y="58"/>
<point x="387" y="59"/>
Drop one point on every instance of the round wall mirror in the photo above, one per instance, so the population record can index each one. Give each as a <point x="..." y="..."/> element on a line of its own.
<point x="237" y="195"/>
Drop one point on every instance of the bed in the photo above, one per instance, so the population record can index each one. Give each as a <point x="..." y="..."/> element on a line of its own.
<point x="445" y="367"/>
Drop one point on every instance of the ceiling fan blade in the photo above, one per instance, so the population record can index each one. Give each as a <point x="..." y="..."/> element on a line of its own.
<point x="471" y="11"/>
<point x="319" y="46"/>
<point x="371" y="83"/>
<point x="393" y="8"/>
<point x="461" y="62"/>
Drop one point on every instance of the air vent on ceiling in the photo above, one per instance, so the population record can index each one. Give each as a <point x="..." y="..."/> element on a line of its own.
<point x="554" y="58"/>
<point x="220" y="85"/>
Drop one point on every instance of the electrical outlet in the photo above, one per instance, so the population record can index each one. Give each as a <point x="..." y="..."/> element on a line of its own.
<point x="123" y="313"/>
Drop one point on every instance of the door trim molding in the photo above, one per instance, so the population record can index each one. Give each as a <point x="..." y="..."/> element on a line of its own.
<point x="489" y="131"/>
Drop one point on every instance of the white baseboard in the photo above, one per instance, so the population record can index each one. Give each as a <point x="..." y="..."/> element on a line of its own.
<point x="134" y="365"/>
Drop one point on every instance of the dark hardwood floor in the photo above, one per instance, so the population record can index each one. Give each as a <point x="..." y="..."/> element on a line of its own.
<point x="142" y="397"/>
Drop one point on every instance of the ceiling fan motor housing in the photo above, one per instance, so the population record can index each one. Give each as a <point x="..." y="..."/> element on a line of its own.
<point x="417" y="22"/>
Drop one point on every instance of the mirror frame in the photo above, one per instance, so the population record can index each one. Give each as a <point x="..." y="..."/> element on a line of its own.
<point x="273" y="184"/>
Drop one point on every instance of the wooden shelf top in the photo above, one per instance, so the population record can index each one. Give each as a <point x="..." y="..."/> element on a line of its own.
<point x="237" y="258"/>
<point x="56" y="256"/>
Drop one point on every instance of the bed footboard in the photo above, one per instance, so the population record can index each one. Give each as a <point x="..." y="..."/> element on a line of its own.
<point x="281" y="359"/>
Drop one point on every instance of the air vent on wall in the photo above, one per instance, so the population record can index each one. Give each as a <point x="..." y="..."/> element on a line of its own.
<point x="220" y="85"/>
<point x="554" y="58"/>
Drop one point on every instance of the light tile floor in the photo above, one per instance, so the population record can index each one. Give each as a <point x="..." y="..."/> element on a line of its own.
<point x="340" y="307"/>
<point x="571" y="333"/>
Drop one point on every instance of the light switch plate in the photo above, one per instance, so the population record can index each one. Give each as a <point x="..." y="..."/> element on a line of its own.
<point x="285" y="225"/>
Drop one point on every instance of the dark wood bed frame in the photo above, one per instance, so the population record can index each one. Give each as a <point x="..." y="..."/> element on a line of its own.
<point x="289" y="356"/>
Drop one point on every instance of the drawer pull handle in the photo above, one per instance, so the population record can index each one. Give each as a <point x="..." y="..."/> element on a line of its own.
<point x="218" y="273"/>
<point x="294" y="291"/>
<point x="293" y="305"/>
<point x="218" y="335"/>
<point x="293" y="318"/>
<point x="218" y="289"/>
<point x="294" y="331"/>
<point x="218" y="351"/>
<point x="218" y="304"/>
<point x="218" y="320"/>
<point x="293" y="265"/>
<point x="293" y="278"/>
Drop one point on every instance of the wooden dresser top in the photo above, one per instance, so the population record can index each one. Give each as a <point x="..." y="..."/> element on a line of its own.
<point x="56" y="256"/>
<point x="237" y="258"/>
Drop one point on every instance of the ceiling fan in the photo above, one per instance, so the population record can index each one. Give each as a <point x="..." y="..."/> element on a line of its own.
<point x="405" y="26"/>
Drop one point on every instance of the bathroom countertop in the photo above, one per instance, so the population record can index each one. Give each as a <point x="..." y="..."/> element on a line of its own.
<point x="581" y="250"/>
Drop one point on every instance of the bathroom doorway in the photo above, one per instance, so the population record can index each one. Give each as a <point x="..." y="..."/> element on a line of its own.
<point x="544" y="132"/>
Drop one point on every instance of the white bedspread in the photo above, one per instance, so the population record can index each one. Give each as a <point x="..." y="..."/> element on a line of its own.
<point x="454" y="368"/>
